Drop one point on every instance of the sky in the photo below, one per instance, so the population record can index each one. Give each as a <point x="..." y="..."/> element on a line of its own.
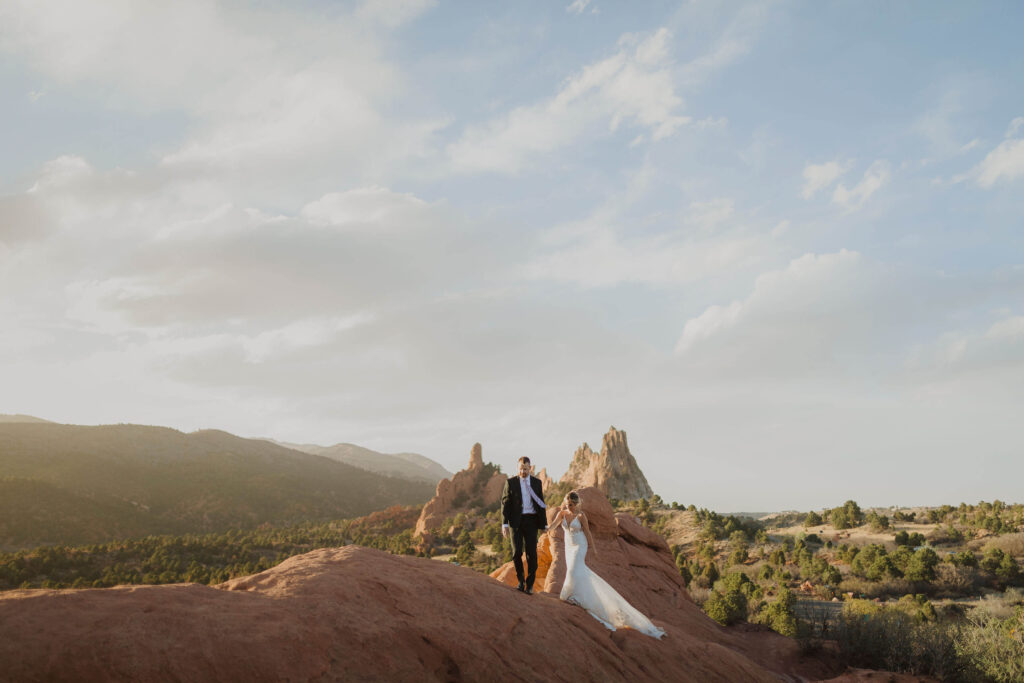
<point x="780" y="244"/>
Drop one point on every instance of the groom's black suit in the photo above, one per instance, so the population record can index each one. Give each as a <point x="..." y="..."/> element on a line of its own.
<point x="524" y="527"/>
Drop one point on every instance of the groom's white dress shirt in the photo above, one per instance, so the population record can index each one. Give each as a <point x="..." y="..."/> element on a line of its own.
<point x="528" y="494"/>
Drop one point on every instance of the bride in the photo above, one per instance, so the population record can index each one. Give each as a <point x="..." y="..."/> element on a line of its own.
<point x="585" y="588"/>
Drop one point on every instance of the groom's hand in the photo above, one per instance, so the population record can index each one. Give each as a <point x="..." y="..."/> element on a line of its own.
<point x="505" y="530"/>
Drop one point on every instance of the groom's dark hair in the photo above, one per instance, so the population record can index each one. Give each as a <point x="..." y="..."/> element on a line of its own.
<point x="525" y="459"/>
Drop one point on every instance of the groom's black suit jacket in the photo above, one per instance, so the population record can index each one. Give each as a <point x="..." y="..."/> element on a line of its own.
<point x="512" y="502"/>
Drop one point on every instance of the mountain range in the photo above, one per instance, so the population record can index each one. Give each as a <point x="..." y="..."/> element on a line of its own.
<point x="405" y="465"/>
<point x="73" y="484"/>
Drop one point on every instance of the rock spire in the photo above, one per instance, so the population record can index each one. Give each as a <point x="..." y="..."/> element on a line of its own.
<point x="470" y="488"/>
<point x="613" y="471"/>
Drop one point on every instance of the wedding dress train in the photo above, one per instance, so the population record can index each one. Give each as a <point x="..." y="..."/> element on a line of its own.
<point x="588" y="590"/>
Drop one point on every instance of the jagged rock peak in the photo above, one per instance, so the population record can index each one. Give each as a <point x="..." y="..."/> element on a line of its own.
<point x="614" y="470"/>
<point x="476" y="457"/>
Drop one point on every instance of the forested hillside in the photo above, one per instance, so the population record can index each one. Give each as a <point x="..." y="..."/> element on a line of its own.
<point x="73" y="484"/>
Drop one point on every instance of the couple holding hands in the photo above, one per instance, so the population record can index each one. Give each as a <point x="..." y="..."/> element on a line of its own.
<point x="524" y="515"/>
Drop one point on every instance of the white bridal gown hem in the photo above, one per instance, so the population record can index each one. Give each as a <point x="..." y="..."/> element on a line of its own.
<point x="588" y="590"/>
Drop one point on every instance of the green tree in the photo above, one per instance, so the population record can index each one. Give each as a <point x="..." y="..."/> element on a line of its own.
<point x="839" y="519"/>
<point x="877" y="522"/>
<point x="853" y="513"/>
<point x="684" y="569"/>
<point x="921" y="566"/>
<point x="778" y="614"/>
<point x="726" y="608"/>
<point x="466" y="551"/>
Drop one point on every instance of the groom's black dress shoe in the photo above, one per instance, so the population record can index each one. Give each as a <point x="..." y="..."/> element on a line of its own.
<point x="529" y="591"/>
<point x="522" y="587"/>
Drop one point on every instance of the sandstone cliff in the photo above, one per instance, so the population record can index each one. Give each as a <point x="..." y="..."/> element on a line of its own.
<point x="477" y="486"/>
<point x="613" y="471"/>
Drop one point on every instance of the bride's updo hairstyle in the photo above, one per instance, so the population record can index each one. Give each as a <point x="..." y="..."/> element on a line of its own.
<point x="573" y="497"/>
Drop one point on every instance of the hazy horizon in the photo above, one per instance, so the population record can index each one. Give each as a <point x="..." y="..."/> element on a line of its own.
<point x="779" y="244"/>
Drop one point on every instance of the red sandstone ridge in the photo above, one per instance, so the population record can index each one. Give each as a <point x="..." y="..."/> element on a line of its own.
<point x="356" y="614"/>
<point x="614" y="470"/>
<point x="474" y="487"/>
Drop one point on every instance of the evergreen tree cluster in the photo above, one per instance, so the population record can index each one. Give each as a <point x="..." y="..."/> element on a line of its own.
<point x="198" y="558"/>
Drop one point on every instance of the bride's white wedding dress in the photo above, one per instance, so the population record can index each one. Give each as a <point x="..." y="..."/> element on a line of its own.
<point x="588" y="590"/>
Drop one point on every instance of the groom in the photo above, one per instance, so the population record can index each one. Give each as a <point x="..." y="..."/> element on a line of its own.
<point x="524" y="514"/>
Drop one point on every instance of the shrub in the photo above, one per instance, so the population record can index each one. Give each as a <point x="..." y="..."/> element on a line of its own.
<point x="964" y="558"/>
<point x="889" y="639"/>
<point x="700" y="595"/>
<point x="736" y="581"/>
<point x="955" y="579"/>
<point x="993" y="647"/>
<point x="684" y="569"/>
<point x="778" y="615"/>
<point x="1011" y="544"/>
<point x="831" y="575"/>
<point x="726" y="608"/>
<point x="464" y="555"/>
<point x="917" y="606"/>
<point x="812" y="519"/>
<point x="881" y="568"/>
<point x="839" y="519"/>
<point x="948" y="536"/>
<point x="877" y="522"/>
<point x="921" y="566"/>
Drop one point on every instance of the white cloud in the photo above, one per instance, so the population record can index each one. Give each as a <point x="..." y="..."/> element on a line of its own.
<point x="633" y="87"/>
<point x="603" y="259"/>
<point x="1003" y="164"/>
<point x="874" y="178"/>
<point x="1015" y="126"/>
<point x="999" y="347"/>
<point x="707" y="324"/>
<point x="711" y="215"/>
<point x="796" y="321"/>
<point x="577" y="7"/>
<point x="268" y="94"/>
<point x="375" y="208"/>
<point x="820" y="176"/>
<point x="299" y="334"/>
<point x="717" y="46"/>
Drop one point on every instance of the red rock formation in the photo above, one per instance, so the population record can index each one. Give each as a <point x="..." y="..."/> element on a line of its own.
<point x="356" y="614"/>
<point x="468" y="488"/>
<point x="614" y="470"/>
<point x="545" y="479"/>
